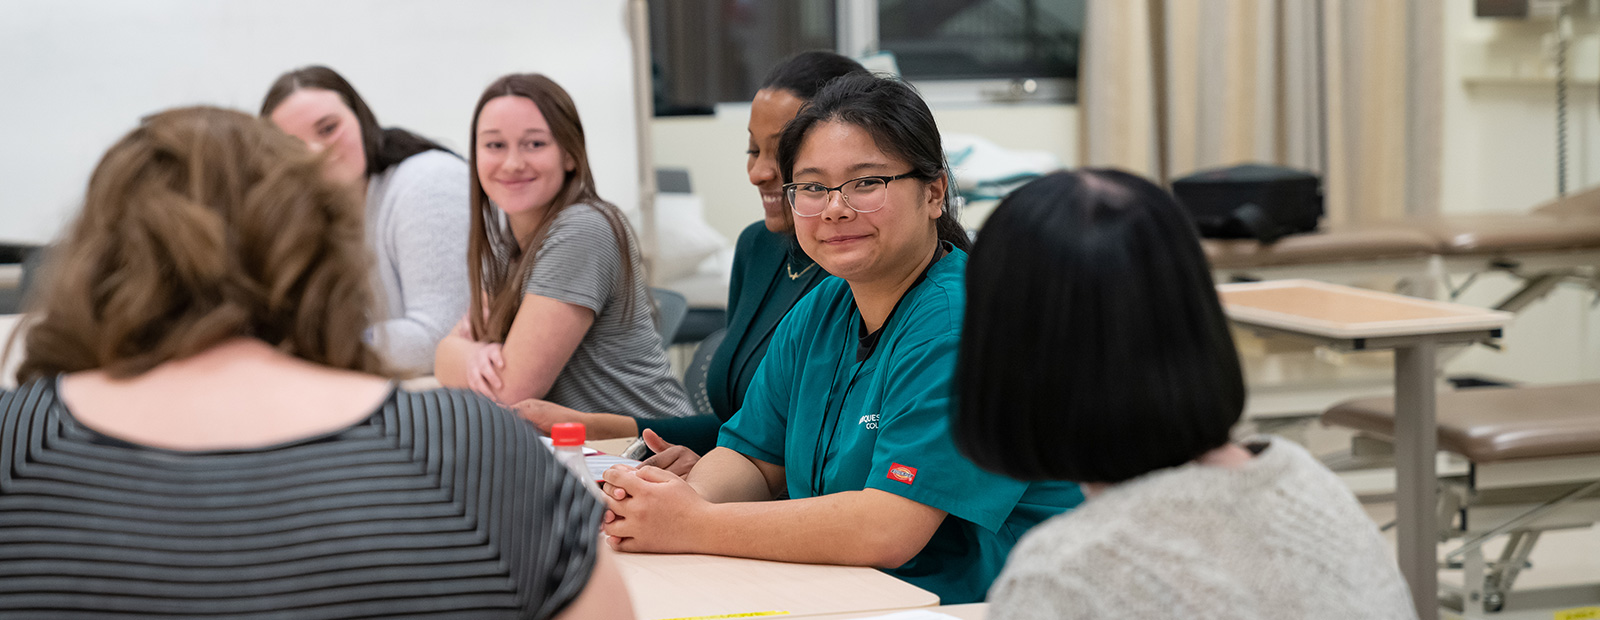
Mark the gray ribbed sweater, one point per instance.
(418, 220)
(1280, 538)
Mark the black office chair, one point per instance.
(699, 323)
(671, 306)
(694, 378)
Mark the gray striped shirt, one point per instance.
(439, 505)
(619, 367)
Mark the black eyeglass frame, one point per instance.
(789, 189)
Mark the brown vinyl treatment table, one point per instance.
(1535, 467)
(1553, 242)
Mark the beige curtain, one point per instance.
(1349, 89)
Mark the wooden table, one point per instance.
(611, 446)
(420, 384)
(1357, 319)
(691, 586)
(970, 611)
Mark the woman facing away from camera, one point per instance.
(201, 431)
(770, 275)
(416, 208)
(559, 309)
(849, 412)
(1095, 350)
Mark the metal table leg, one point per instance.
(1416, 484)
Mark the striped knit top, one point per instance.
(438, 505)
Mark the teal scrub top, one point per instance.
(884, 423)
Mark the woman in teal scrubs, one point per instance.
(849, 411)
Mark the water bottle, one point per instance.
(566, 441)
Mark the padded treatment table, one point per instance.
(1490, 234)
(1558, 242)
(1541, 249)
(1475, 236)
(1586, 202)
(1491, 425)
(1318, 248)
(1569, 223)
(1535, 454)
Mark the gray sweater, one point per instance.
(1281, 537)
(418, 220)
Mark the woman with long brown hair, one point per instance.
(415, 193)
(201, 431)
(770, 275)
(559, 308)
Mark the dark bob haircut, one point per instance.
(900, 125)
(805, 73)
(1094, 347)
(383, 147)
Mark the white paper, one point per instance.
(599, 463)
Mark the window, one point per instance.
(706, 52)
(982, 39)
(711, 51)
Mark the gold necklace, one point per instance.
(792, 274)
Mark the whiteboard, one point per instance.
(75, 75)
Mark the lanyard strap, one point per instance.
(866, 345)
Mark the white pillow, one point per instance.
(684, 239)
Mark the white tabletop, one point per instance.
(692, 586)
(970, 611)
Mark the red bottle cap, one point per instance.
(567, 434)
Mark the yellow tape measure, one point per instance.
(1579, 613)
(748, 614)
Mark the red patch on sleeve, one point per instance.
(902, 473)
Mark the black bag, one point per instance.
(1251, 201)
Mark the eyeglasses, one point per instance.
(861, 194)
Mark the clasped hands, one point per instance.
(649, 509)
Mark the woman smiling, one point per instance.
(559, 309)
(849, 410)
(415, 203)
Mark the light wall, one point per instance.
(713, 147)
(1500, 112)
(77, 74)
(1499, 156)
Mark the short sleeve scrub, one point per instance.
(843, 413)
